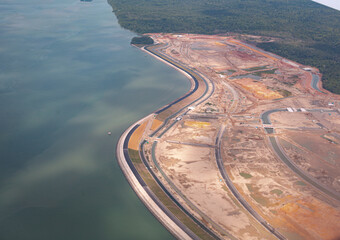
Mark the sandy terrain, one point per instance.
(247, 82)
(136, 136)
(260, 90)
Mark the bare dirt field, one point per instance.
(245, 82)
(193, 170)
(273, 189)
(260, 90)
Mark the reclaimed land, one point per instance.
(134, 164)
(201, 158)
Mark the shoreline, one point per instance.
(146, 199)
(176, 228)
(152, 129)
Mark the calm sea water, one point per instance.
(67, 76)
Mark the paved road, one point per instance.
(203, 97)
(168, 128)
(176, 227)
(188, 202)
(198, 222)
(266, 120)
(265, 115)
(286, 160)
(181, 68)
(167, 192)
(146, 195)
(315, 81)
(235, 192)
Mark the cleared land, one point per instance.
(233, 85)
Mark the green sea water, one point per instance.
(67, 76)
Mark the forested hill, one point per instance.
(307, 32)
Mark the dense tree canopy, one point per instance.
(143, 40)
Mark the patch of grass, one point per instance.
(250, 187)
(255, 68)
(276, 191)
(246, 175)
(260, 199)
(134, 156)
(300, 183)
(256, 195)
(210, 110)
(284, 92)
(273, 212)
(254, 76)
(260, 73)
(289, 83)
(271, 71)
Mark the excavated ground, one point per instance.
(248, 82)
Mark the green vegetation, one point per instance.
(260, 199)
(276, 191)
(249, 75)
(256, 195)
(300, 183)
(143, 40)
(305, 31)
(326, 59)
(284, 92)
(260, 73)
(156, 189)
(250, 187)
(246, 175)
(134, 156)
(255, 68)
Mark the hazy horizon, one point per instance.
(329, 3)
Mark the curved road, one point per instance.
(196, 85)
(286, 160)
(217, 154)
(188, 202)
(176, 227)
(235, 192)
(315, 81)
(198, 222)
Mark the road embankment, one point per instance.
(170, 220)
(143, 192)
